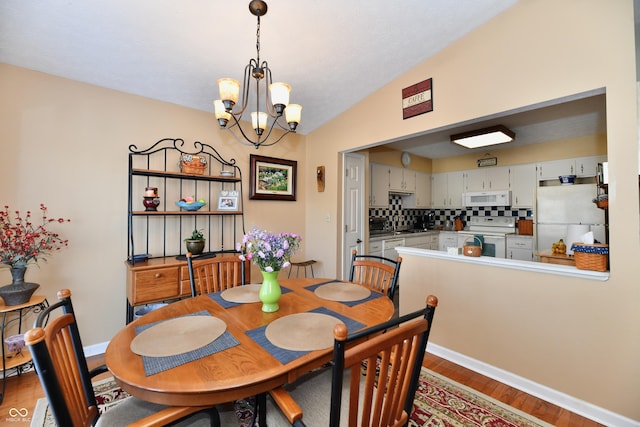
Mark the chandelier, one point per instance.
(276, 98)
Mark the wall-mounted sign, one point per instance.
(417, 99)
(487, 161)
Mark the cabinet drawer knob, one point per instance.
(158, 275)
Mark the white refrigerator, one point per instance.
(562, 209)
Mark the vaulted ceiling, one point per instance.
(334, 53)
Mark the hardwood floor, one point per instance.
(25, 390)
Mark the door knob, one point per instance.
(358, 240)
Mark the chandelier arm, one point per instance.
(249, 140)
(268, 81)
(261, 142)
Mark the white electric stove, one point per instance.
(493, 229)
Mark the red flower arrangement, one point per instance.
(23, 242)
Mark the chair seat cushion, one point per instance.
(312, 393)
(132, 409)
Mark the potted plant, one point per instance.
(23, 242)
(195, 242)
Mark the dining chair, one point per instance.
(61, 365)
(376, 272)
(216, 274)
(374, 376)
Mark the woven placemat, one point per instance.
(242, 294)
(179, 335)
(343, 292)
(302, 331)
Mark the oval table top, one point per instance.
(246, 369)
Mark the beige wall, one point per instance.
(576, 336)
(65, 144)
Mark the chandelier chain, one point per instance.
(258, 41)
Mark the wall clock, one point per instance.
(406, 159)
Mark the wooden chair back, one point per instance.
(61, 364)
(384, 364)
(217, 274)
(59, 359)
(377, 273)
(392, 362)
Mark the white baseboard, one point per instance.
(585, 409)
(96, 349)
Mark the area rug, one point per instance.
(108, 394)
(439, 402)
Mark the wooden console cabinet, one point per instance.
(160, 279)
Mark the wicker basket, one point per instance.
(194, 165)
(471, 250)
(593, 256)
(602, 204)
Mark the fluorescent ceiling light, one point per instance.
(484, 137)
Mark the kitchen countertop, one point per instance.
(540, 267)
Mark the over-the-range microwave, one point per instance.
(487, 198)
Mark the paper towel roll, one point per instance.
(574, 234)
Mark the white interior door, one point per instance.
(353, 208)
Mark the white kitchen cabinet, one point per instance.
(439, 193)
(375, 248)
(434, 241)
(520, 247)
(497, 178)
(455, 188)
(422, 196)
(420, 241)
(582, 167)
(486, 179)
(522, 183)
(401, 179)
(379, 185)
(447, 189)
(554, 168)
(447, 239)
(588, 166)
(474, 180)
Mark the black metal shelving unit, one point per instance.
(160, 232)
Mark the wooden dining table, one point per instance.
(245, 369)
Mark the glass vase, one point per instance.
(270, 291)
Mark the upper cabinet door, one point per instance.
(588, 166)
(439, 193)
(486, 179)
(422, 196)
(401, 179)
(497, 178)
(474, 180)
(522, 182)
(555, 168)
(395, 179)
(455, 188)
(379, 197)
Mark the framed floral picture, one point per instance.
(272, 178)
(228, 201)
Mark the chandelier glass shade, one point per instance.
(276, 107)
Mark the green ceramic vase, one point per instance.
(270, 291)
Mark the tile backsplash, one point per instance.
(409, 217)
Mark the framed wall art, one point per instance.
(272, 178)
(228, 201)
